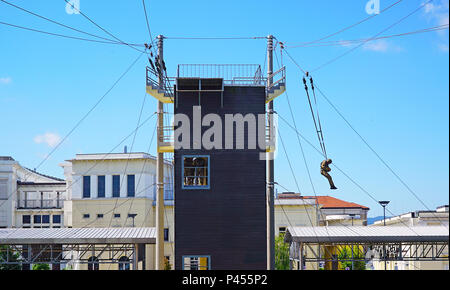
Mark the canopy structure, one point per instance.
(362, 234)
(77, 236)
(61, 247)
(328, 247)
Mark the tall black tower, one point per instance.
(220, 190)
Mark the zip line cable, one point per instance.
(104, 30)
(355, 41)
(295, 179)
(216, 38)
(143, 168)
(129, 154)
(345, 174)
(148, 27)
(304, 157)
(65, 36)
(353, 25)
(374, 152)
(98, 161)
(318, 116)
(58, 23)
(363, 139)
(376, 35)
(81, 120)
(318, 130)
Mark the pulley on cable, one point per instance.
(325, 164)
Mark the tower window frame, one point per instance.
(197, 179)
(194, 262)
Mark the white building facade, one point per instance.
(29, 199)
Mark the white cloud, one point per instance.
(51, 139)
(381, 46)
(438, 12)
(443, 47)
(5, 81)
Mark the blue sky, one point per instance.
(393, 91)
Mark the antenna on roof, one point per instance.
(125, 150)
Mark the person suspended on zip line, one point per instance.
(324, 169)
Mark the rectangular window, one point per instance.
(3, 189)
(26, 219)
(100, 186)
(117, 215)
(196, 263)
(166, 234)
(100, 216)
(46, 219)
(37, 219)
(86, 186)
(56, 219)
(116, 185)
(86, 216)
(195, 172)
(130, 186)
(282, 230)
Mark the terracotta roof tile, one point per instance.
(332, 202)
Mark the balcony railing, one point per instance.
(41, 204)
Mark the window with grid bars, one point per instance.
(196, 263)
(196, 172)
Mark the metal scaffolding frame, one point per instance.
(69, 254)
(410, 251)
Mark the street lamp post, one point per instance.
(352, 215)
(384, 203)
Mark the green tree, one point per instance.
(7, 254)
(167, 265)
(41, 267)
(281, 253)
(346, 255)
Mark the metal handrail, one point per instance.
(40, 203)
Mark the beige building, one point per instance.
(292, 209)
(118, 190)
(438, 217)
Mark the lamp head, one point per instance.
(384, 203)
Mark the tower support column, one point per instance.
(159, 263)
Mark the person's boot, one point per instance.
(333, 187)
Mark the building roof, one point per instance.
(289, 195)
(115, 156)
(43, 175)
(437, 215)
(332, 202)
(78, 236)
(6, 158)
(363, 234)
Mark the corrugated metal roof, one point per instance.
(78, 236)
(367, 234)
